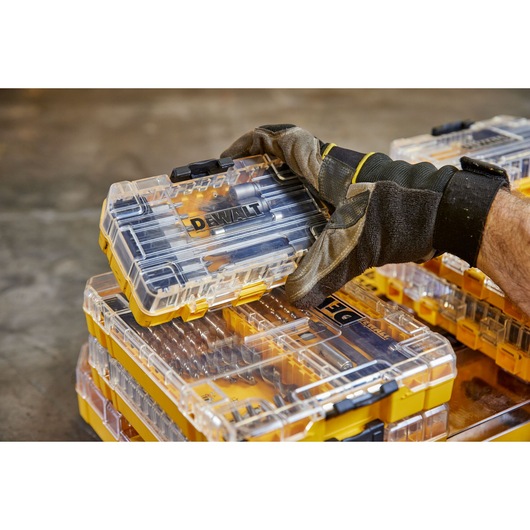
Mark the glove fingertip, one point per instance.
(277, 127)
(313, 298)
(308, 301)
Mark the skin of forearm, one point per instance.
(505, 249)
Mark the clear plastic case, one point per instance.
(146, 417)
(475, 322)
(152, 424)
(475, 282)
(268, 371)
(181, 248)
(109, 424)
(501, 140)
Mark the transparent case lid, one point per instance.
(181, 248)
(266, 370)
(501, 140)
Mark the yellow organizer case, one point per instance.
(268, 371)
(180, 246)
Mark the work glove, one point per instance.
(382, 211)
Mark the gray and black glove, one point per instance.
(384, 211)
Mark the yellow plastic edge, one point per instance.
(251, 293)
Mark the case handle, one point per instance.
(451, 127)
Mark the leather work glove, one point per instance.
(383, 211)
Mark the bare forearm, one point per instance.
(505, 250)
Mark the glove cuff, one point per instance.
(337, 171)
(346, 156)
(464, 207)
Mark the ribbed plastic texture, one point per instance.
(100, 408)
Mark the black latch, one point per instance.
(201, 169)
(361, 401)
(451, 127)
(374, 431)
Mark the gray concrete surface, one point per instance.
(60, 150)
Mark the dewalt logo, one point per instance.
(227, 217)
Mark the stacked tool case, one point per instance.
(476, 322)
(268, 371)
(191, 336)
(109, 396)
(96, 409)
(149, 423)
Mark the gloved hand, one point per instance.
(384, 211)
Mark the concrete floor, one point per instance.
(60, 150)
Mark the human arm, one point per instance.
(505, 250)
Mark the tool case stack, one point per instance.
(191, 337)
